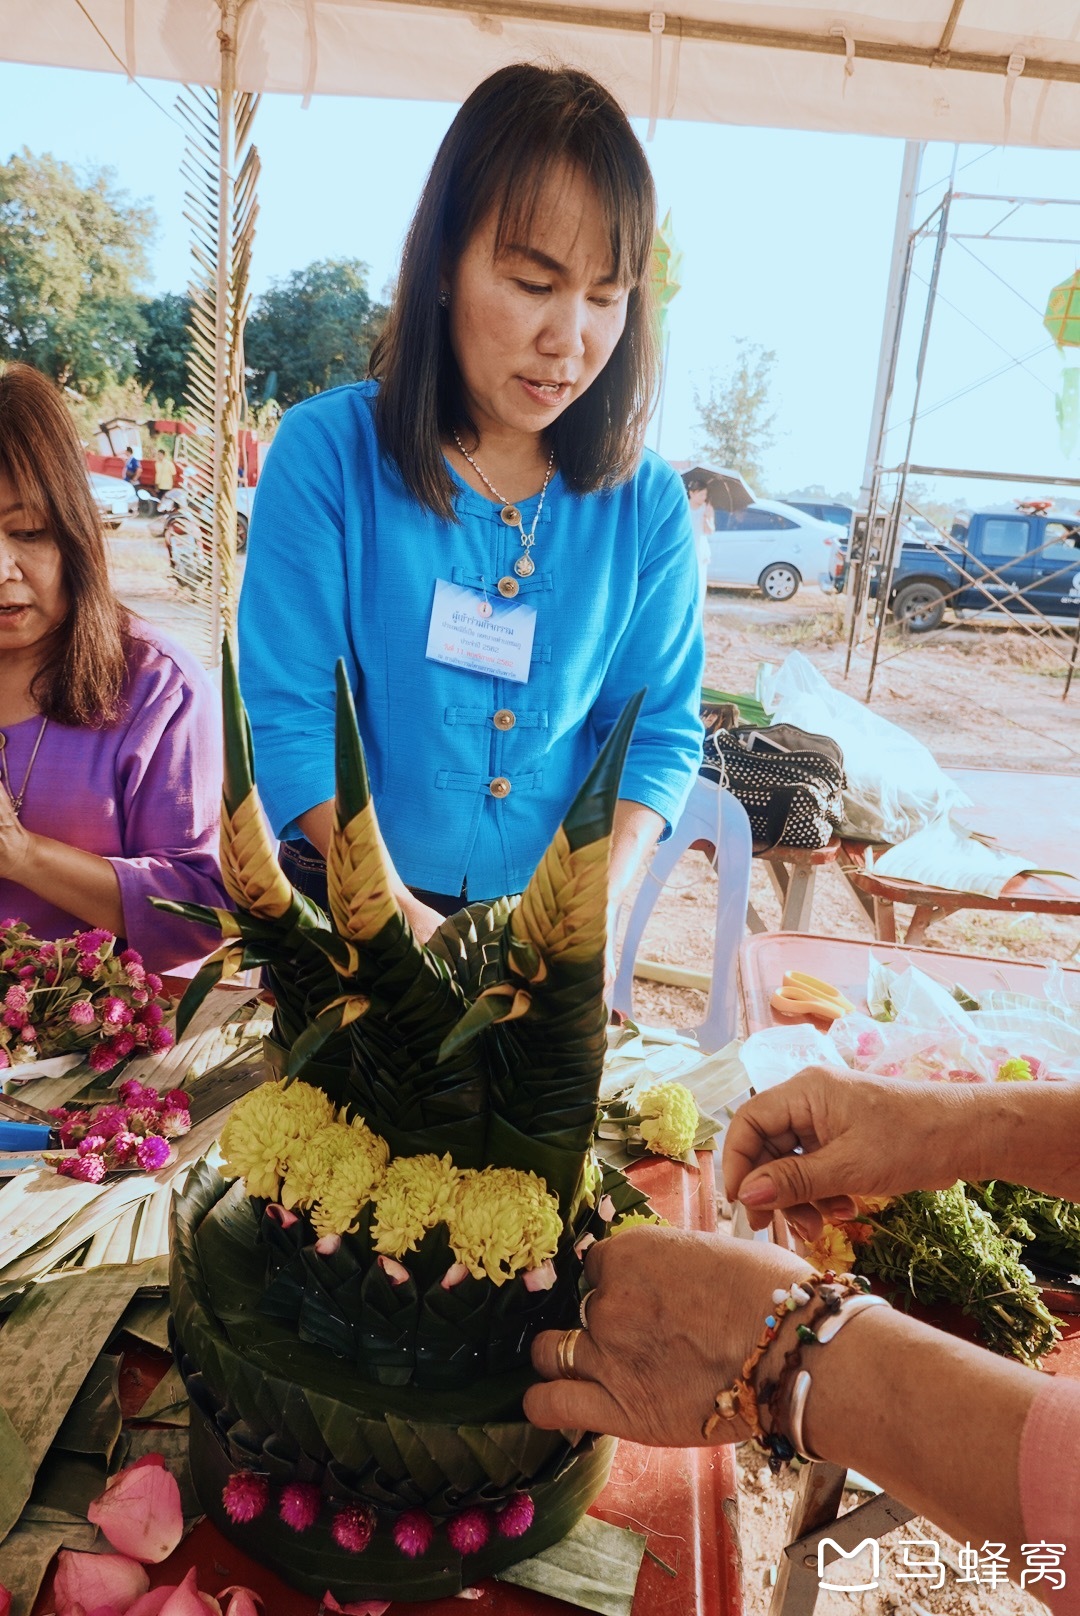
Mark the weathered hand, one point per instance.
(672, 1320)
(857, 1136)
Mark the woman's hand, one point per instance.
(856, 1135)
(15, 839)
(671, 1322)
(421, 917)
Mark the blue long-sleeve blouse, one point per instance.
(343, 562)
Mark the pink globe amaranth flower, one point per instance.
(516, 1516)
(161, 1038)
(174, 1097)
(27, 973)
(47, 951)
(115, 1012)
(74, 1127)
(144, 1120)
(300, 1505)
(245, 1496)
(352, 1529)
(154, 982)
(87, 964)
(59, 1113)
(102, 1058)
(123, 1043)
(124, 1145)
(151, 1015)
(174, 1122)
(28, 1034)
(132, 1092)
(15, 1019)
(97, 938)
(81, 1013)
(91, 1144)
(136, 975)
(413, 1532)
(16, 998)
(109, 1120)
(139, 995)
(89, 1169)
(51, 973)
(140, 1034)
(469, 1531)
(152, 1152)
(5, 1059)
(130, 956)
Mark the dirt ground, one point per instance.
(987, 697)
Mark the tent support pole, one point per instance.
(223, 553)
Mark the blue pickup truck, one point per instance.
(995, 561)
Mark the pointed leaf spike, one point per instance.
(592, 812)
(358, 870)
(239, 781)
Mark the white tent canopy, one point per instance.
(994, 71)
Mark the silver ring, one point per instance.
(583, 1307)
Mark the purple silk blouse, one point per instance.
(143, 793)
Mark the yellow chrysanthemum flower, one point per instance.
(668, 1119)
(503, 1221)
(352, 1184)
(265, 1129)
(832, 1250)
(310, 1169)
(636, 1220)
(416, 1193)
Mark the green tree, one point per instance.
(735, 422)
(162, 352)
(312, 330)
(72, 253)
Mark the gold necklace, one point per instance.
(524, 566)
(5, 774)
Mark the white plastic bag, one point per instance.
(895, 786)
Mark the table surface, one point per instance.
(683, 1500)
(763, 961)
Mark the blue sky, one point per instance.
(786, 239)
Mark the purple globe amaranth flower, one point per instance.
(51, 973)
(353, 1528)
(102, 1058)
(88, 941)
(109, 1120)
(151, 1015)
(136, 975)
(300, 1505)
(27, 973)
(89, 1169)
(161, 1038)
(130, 956)
(15, 1019)
(47, 951)
(81, 1013)
(179, 1097)
(116, 1012)
(87, 964)
(413, 1532)
(91, 1145)
(152, 1152)
(516, 1516)
(123, 1043)
(132, 1092)
(124, 1145)
(245, 1496)
(154, 982)
(468, 1532)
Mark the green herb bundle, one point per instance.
(1050, 1226)
(942, 1246)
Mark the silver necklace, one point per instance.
(524, 566)
(5, 775)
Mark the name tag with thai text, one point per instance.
(483, 633)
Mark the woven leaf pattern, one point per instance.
(253, 877)
(358, 878)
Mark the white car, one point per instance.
(113, 497)
(770, 546)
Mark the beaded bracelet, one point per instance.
(741, 1398)
(800, 1390)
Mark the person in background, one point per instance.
(987, 1449)
(701, 516)
(110, 741)
(132, 465)
(486, 541)
(164, 473)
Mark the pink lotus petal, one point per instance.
(95, 1580)
(470, 1593)
(140, 1512)
(454, 1275)
(281, 1215)
(606, 1210)
(542, 1278)
(329, 1245)
(150, 1604)
(359, 1607)
(188, 1601)
(242, 1601)
(582, 1245)
(395, 1272)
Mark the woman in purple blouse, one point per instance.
(110, 746)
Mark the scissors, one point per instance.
(803, 995)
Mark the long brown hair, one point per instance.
(82, 678)
(509, 136)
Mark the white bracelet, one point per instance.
(800, 1391)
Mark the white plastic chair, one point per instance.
(715, 822)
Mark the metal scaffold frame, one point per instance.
(876, 534)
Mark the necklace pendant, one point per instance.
(524, 566)
(511, 515)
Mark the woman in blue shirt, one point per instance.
(478, 531)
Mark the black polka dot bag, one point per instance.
(790, 782)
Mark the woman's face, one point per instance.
(33, 597)
(533, 328)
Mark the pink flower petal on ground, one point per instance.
(281, 1215)
(395, 1272)
(94, 1580)
(542, 1278)
(140, 1512)
(188, 1601)
(359, 1607)
(454, 1275)
(242, 1601)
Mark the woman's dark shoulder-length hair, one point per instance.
(82, 679)
(510, 134)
